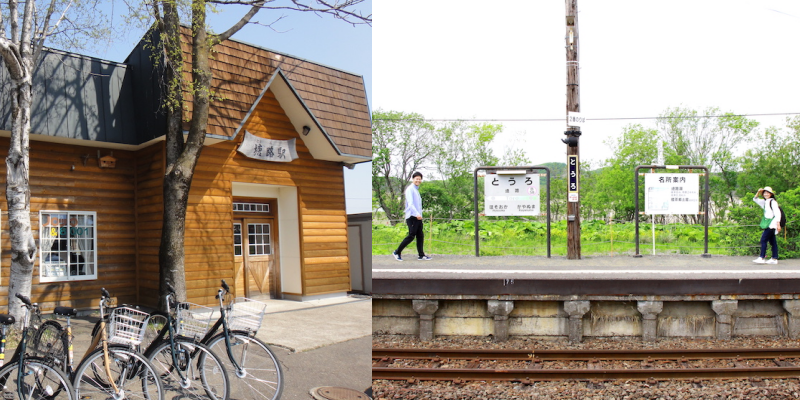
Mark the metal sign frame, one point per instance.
(669, 167)
(528, 169)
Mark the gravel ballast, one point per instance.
(755, 389)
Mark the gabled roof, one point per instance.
(79, 98)
(316, 139)
(336, 99)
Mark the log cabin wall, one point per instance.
(322, 266)
(108, 192)
(320, 187)
(150, 166)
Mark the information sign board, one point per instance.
(511, 194)
(672, 193)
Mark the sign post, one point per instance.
(511, 191)
(671, 193)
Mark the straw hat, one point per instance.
(769, 189)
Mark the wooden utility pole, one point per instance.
(573, 134)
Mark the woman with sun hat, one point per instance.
(771, 218)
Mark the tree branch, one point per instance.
(241, 23)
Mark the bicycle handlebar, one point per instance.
(24, 299)
(221, 292)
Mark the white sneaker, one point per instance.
(759, 260)
(771, 261)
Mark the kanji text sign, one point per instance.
(572, 178)
(268, 149)
(672, 193)
(511, 194)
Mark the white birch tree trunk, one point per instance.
(18, 194)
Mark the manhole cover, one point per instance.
(337, 393)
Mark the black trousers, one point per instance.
(415, 231)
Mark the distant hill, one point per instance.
(557, 170)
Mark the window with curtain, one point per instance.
(67, 246)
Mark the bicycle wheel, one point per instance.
(51, 343)
(133, 375)
(39, 381)
(203, 372)
(156, 322)
(261, 376)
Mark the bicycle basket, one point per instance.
(127, 326)
(194, 319)
(246, 314)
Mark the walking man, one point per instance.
(413, 216)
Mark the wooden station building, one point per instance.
(267, 204)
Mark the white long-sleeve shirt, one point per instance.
(413, 202)
(770, 211)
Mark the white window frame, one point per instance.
(267, 247)
(239, 246)
(43, 255)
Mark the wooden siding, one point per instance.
(323, 220)
(150, 166)
(241, 71)
(108, 192)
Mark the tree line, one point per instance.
(740, 155)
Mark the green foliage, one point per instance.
(774, 161)
(747, 235)
(613, 186)
(688, 137)
(401, 144)
(460, 148)
(525, 237)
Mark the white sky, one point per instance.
(320, 39)
(448, 59)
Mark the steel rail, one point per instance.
(525, 375)
(535, 372)
(585, 355)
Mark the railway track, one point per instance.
(541, 365)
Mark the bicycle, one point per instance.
(49, 340)
(111, 368)
(26, 376)
(248, 358)
(187, 367)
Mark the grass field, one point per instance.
(507, 237)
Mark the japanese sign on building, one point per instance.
(572, 179)
(267, 149)
(511, 194)
(672, 193)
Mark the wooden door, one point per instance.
(260, 258)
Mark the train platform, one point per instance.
(616, 296)
(593, 275)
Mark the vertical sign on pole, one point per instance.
(572, 175)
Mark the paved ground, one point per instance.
(319, 343)
(673, 267)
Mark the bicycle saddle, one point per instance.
(65, 311)
(6, 319)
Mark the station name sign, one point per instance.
(511, 193)
(267, 149)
